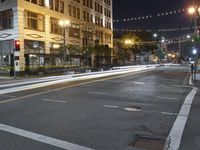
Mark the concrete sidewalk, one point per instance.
(5, 78)
(198, 76)
(191, 135)
(197, 82)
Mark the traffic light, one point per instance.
(17, 45)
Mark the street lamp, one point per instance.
(188, 36)
(64, 24)
(194, 51)
(169, 55)
(191, 10)
(128, 42)
(195, 12)
(173, 56)
(155, 35)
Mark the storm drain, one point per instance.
(148, 143)
(133, 108)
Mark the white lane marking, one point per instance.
(110, 106)
(181, 86)
(7, 96)
(55, 101)
(175, 135)
(42, 138)
(139, 83)
(171, 114)
(169, 98)
(100, 93)
(161, 85)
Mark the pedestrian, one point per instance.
(192, 70)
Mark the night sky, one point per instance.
(137, 8)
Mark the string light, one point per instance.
(161, 14)
(158, 30)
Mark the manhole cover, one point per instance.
(149, 143)
(133, 108)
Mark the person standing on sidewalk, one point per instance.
(192, 71)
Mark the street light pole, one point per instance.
(195, 11)
(196, 43)
(64, 42)
(64, 24)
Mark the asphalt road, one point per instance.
(104, 114)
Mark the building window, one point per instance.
(6, 48)
(74, 12)
(70, 10)
(107, 12)
(51, 4)
(33, 21)
(56, 5)
(62, 7)
(41, 2)
(34, 53)
(6, 20)
(33, 47)
(78, 13)
(98, 8)
(78, 1)
(108, 38)
(38, 2)
(107, 2)
(54, 48)
(99, 36)
(87, 17)
(88, 3)
(107, 24)
(87, 36)
(54, 26)
(74, 31)
(98, 21)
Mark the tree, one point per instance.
(86, 52)
(102, 52)
(196, 38)
(160, 53)
(187, 47)
(136, 44)
(69, 52)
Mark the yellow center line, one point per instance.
(70, 86)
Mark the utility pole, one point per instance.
(195, 12)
